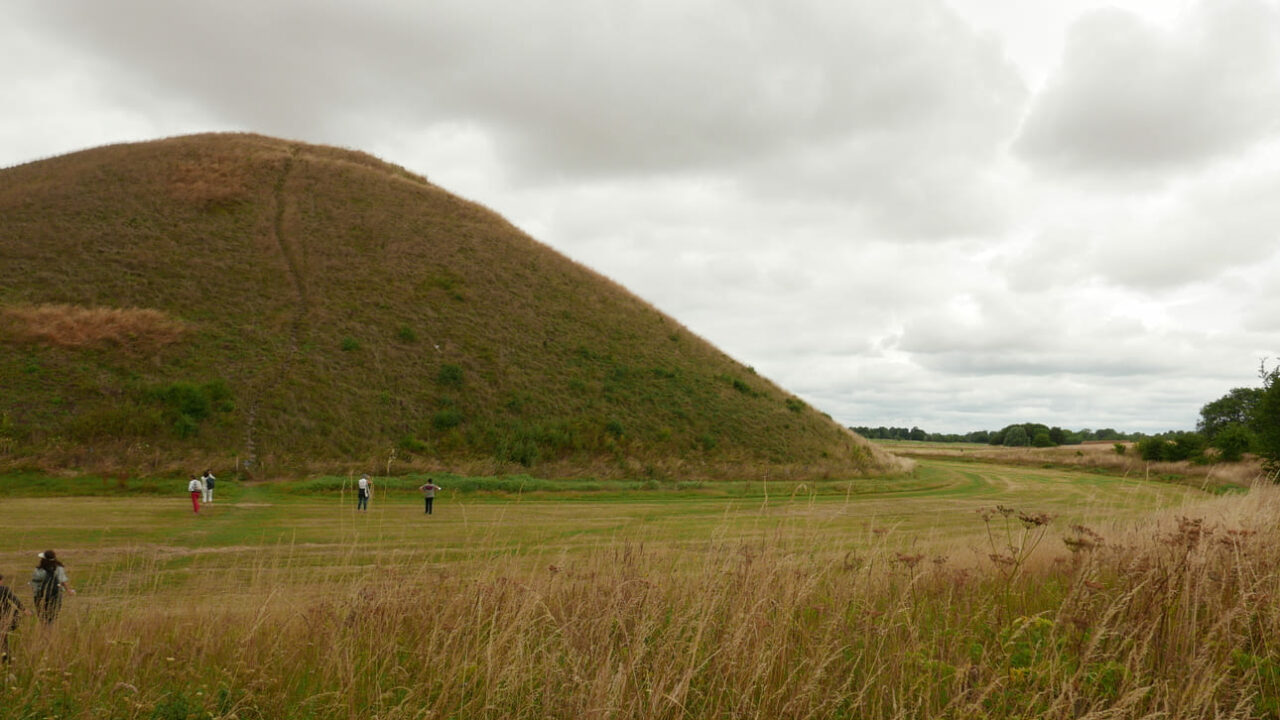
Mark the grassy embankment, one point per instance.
(207, 300)
(1139, 599)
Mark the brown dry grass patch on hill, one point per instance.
(210, 181)
(71, 326)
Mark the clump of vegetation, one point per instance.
(187, 405)
(449, 376)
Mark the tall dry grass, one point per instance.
(1175, 619)
(71, 326)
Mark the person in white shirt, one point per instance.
(429, 489)
(196, 488)
(208, 480)
(364, 490)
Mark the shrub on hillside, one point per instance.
(450, 375)
(187, 404)
(446, 418)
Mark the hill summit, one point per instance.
(290, 308)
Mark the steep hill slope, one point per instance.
(221, 299)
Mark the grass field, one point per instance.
(881, 598)
(317, 519)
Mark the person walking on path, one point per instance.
(364, 491)
(429, 489)
(207, 478)
(47, 583)
(10, 608)
(196, 488)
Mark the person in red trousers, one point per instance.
(196, 488)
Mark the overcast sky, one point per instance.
(956, 214)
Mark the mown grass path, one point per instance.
(933, 512)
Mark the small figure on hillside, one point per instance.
(208, 479)
(196, 488)
(429, 489)
(10, 608)
(47, 583)
(364, 491)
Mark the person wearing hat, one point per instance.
(10, 608)
(364, 490)
(47, 583)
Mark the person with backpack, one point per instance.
(429, 489)
(196, 488)
(10, 608)
(208, 480)
(47, 583)
(364, 490)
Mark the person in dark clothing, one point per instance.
(429, 494)
(10, 608)
(47, 583)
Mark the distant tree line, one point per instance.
(1016, 435)
(1245, 420)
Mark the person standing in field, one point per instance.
(364, 490)
(47, 583)
(10, 608)
(196, 488)
(429, 494)
(207, 478)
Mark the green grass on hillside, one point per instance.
(310, 309)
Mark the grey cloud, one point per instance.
(1131, 98)
(893, 107)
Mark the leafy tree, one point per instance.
(1043, 439)
(1016, 436)
(1233, 442)
(1266, 418)
(1188, 446)
(1152, 449)
(1234, 408)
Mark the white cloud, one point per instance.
(1131, 97)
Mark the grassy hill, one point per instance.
(241, 300)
